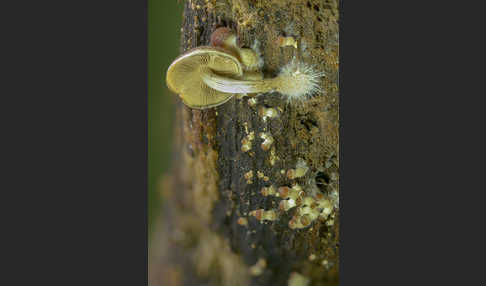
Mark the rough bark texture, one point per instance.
(207, 234)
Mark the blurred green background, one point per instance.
(164, 24)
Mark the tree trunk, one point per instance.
(210, 231)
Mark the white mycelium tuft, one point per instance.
(298, 81)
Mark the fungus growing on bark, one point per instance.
(296, 81)
(246, 142)
(186, 76)
(286, 41)
(265, 113)
(206, 77)
(225, 38)
(262, 214)
(267, 140)
(299, 171)
(268, 191)
(249, 176)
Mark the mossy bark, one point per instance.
(206, 234)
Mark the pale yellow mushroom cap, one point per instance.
(184, 76)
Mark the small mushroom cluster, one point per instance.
(308, 208)
(246, 142)
(267, 140)
(309, 204)
(299, 171)
(209, 76)
(265, 113)
(262, 214)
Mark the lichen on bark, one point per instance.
(209, 233)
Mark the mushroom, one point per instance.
(296, 81)
(225, 38)
(186, 74)
(206, 77)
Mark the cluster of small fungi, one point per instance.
(309, 206)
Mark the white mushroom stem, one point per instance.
(296, 81)
(230, 85)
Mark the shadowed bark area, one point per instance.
(227, 173)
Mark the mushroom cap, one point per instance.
(223, 36)
(184, 76)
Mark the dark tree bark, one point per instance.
(209, 232)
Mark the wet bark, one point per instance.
(209, 232)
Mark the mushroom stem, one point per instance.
(230, 85)
(296, 80)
